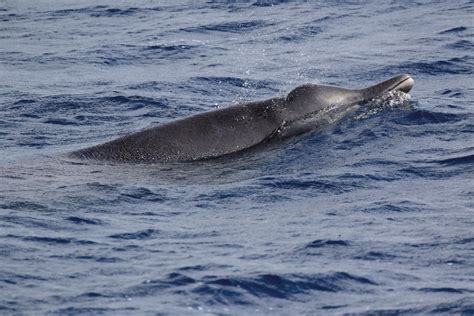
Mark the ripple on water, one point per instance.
(323, 243)
(455, 306)
(458, 29)
(83, 221)
(460, 160)
(228, 27)
(452, 66)
(421, 117)
(243, 290)
(139, 235)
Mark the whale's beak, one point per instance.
(402, 83)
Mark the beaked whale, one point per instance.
(235, 128)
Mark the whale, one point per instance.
(239, 127)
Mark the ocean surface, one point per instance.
(374, 215)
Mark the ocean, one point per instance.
(371, 216)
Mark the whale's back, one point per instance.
(206, 135)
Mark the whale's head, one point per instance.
(312, 102)
(403, 83)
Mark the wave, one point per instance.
(59, 121)
(13, 278)
(141, 194)
(452, 93)
(421, 117)
(454, 30)
(283, 286)
(397, 207)
(12, 17)
(461, 160)
(466, 241)
(140, 235)
(234, 81)
(324, 243)
(323, 186)
(92, 310)
(53, 240)
(375, 256)
(241, 290)
(463, 306)
(24, 206)
(173, 49)
(110, 55)
(461, 45)
(228, 27)
(100, 11)
(65, 109)
(444, 290)
(452, 66)
(269, 3)
(83, 221)
(301, 34)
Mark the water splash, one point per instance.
(388, 101)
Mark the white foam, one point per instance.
(390, 100)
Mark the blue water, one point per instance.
(372, 215)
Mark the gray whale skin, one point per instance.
(235, 128)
